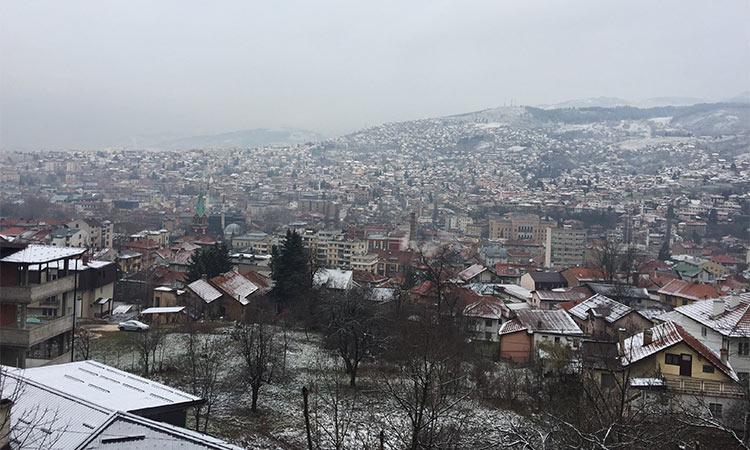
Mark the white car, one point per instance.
(132, 325)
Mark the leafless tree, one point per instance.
(429, 384)
(147, 345)
(352, 329)
(202, 365)
(258, 347)
(83, 338)
(607, 258)
(26, 425)
(438, 267)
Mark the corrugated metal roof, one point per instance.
(163, 310)
(108, 387)
(471, 271)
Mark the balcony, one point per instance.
(36, 292)
(33, 334)
(698, 387)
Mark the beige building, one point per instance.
(519, 227)
(564, 247)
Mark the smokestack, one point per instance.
(724, 353)
(5, 408)
(648, 336)
(718, 307)
(621, 341)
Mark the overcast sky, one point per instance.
(82, 74)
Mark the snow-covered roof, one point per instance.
(603, 306)
(163, 310)
(333, 278)
(235, 285)
(204, 290)
(543, 321)
(734, 321)
(516, 291)
(163, 289)
(664, 336)
(647, 382)
(122, 309)
(471, 272)
(37, 254)
(484, 309)
(108, 387)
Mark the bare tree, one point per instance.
(258, 347)
(353, 330)
(83, 338)
(607, 258)
(429, 384)
(202, 365)
(26, 425)
(438, 267)
(147, 345)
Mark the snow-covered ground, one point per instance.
(279, 424)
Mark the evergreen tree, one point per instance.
(291, 272)
(209, 261)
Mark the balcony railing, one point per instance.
(695, 386)
(36, 292)
(33, 334)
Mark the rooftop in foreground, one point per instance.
(38, 254)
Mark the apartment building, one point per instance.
(37, 290)
(564, 247)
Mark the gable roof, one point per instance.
(204, 290)
(235, 285)
(560, 296)
(733, 322)
(603, 306)
(471, 272)
(665, 336)
(547, 277)
(688, 290)
(485, 308)
(547, 321)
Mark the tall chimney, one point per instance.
(621, 340)
(717, 308)
(5, 407)
(648, 336)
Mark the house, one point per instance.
(632, 296)
(129, 262)
(689, 370)
(236, 291)
(476, 273)
(336, 279)
(681, 292)
(521, 337)
(485, 317)
(720, 324)
(544, 299)
(602, 318)
(537, 281)
(167, 307)
(694, 273)
(87, 405)
(202, 298)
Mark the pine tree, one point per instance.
(290, 269)
(209, 261)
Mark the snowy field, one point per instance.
(279, 424)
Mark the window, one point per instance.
(557, 340)
(708, 368)
(715, 409)
(487, 336)
(743, 347)
(744, 378)
(488, 322)
(704, 331)
(671, 358)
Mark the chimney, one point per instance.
(5, 407)
(717, 308)
(724, 353)
(621, 341)
(648, 336)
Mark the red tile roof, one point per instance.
(688, 290)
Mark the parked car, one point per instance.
(132, 325)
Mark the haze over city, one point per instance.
(82, 74)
